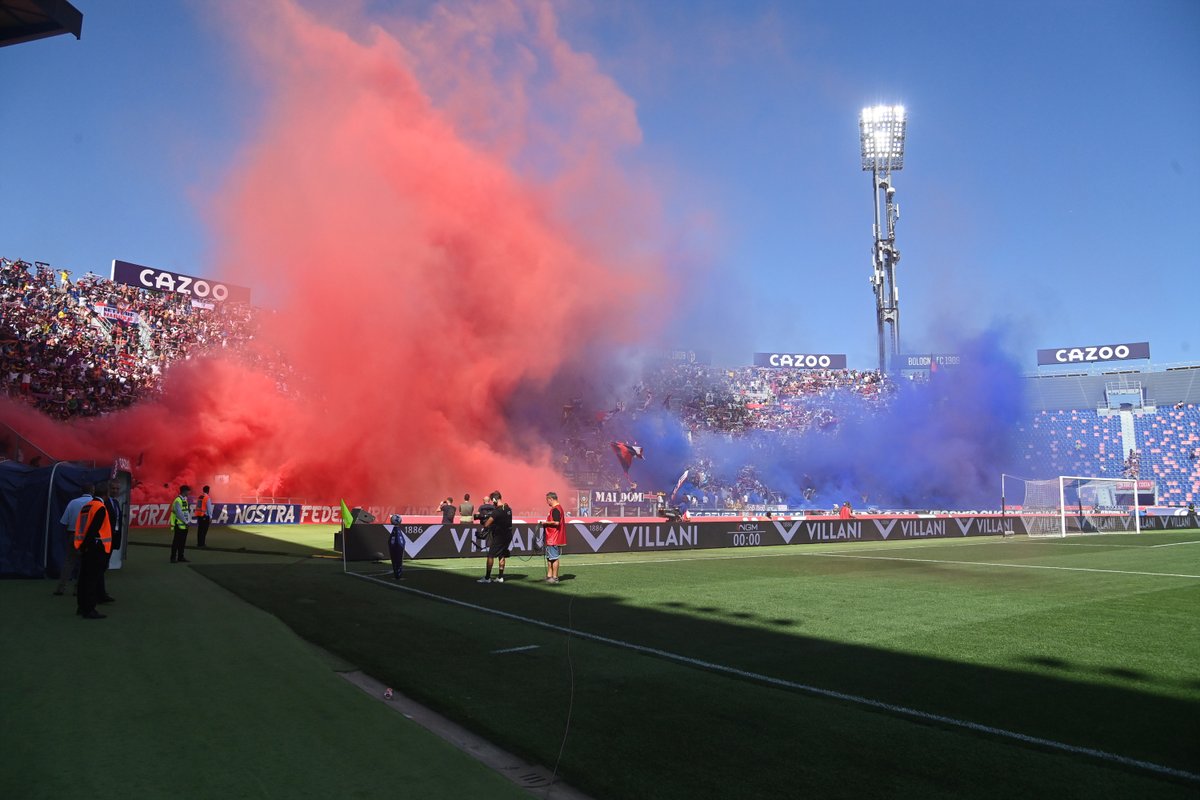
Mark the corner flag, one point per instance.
(347, 517)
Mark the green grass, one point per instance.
(1104, 659)
(185, 691)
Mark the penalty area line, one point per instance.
(905, 711)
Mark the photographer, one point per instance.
(499, 528)
(481, 517)
(448, 510)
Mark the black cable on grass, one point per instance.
(570, 699)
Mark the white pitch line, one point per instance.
(1009, 566)
(517, 649)
(1102, 755)
(1173, 544)
(1091, 544)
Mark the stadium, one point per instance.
(965, 572)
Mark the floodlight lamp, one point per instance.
(881, 130)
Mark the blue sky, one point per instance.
(1049, 189)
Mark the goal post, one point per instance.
(1073, 504)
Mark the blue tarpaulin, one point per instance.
(32, 501)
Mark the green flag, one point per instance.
(347, 517)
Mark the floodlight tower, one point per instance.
(882, 132)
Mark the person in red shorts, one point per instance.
(556, 535)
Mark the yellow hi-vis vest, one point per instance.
(181, 512)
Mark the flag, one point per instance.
(679, 484)
(626, 453)
(347, 517)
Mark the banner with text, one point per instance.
(164, 280)
(369, 542)
(1088, 354)
(120, 315)
(801, 360)
(931, 362)
(155, 515)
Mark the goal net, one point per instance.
(1070, 504)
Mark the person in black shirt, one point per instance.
(448, 508)
(116, 519)
(499, 529)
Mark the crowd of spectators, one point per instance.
(1133, 465)
(717, 405)
(88, 346)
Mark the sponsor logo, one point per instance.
(787, 532)
(885, 528)
(801, 360)
(1042, 525)
(414, 544)
(748, 526)
(834, 531)
(595, 533)
(920, 528)
(166, 281)
(1093, 353)
(653, 536)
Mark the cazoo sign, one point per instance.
(166, 281)
(801, 360)
(1088, 354)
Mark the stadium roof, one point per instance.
(27, 20)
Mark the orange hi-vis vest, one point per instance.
(86, 519)
(202, 506)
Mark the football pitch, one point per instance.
(977, 667)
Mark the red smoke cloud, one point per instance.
(437, 212)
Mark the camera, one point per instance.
(482, 516)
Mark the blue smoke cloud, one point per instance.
(940, 444)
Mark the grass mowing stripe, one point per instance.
(1102, 755)
(1009, 566)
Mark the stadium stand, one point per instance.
(88, 346)
(1171, 455)
(84, 347)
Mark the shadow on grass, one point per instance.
(643, 720)
(1124, 673)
